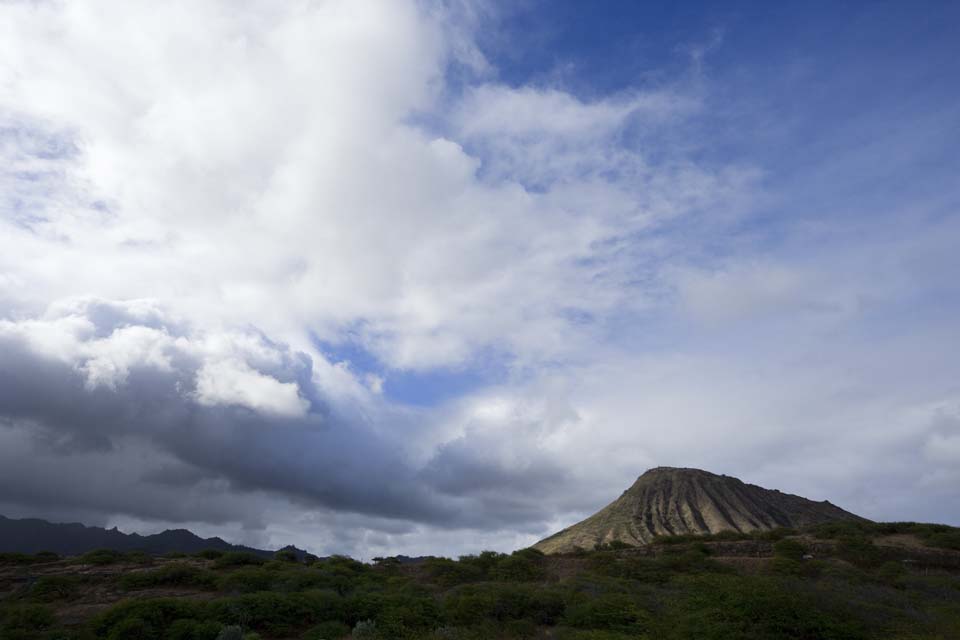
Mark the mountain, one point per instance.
(32, 535)
(670, 501)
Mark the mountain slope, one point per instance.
(32, 535)
(668, 500)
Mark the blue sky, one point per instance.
(382, 276)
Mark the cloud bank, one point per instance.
(204, 205)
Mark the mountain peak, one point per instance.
(679, 500)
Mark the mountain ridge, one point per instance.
(683, 500)
(33, 535)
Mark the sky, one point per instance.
(385, 276)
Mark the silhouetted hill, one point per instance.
(676, 501)
(32, 535)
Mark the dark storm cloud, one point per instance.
(134, 446)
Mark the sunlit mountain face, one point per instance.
(381, 277)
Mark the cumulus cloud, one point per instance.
(198, 199)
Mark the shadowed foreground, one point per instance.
(846, 580)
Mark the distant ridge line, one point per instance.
(33, 535)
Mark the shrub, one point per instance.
(174, 574)
(891, 573)
(193, 630)
(945, 540)
(130, 628)
(209, 554)
(365, 629)
(26, 621)
(238, 559)
(692, 560)
(484, 562)
(802, 568)
(723, 607)
(789, 548)
(525, 565)
(859, 551)
(100, 557)
(613, 611)
(56, 587)
(330, 630)
(277, 614)
(675, 538)
(112, 556)
(630, 567)
(402, 613)
(774, 534)
(233, 632)
(498, 602)
(449, 573)
(613, 545)
(45, 556)
(8, 557)
(523, 628)
(844, 529)
(286, 555)
(153, 617)
(249, 580)
(25, 558)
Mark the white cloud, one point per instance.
(203, 190)
(249, 174)
(232, 382)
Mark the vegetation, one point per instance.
(25, 558)
(110, 556)
(675, 591)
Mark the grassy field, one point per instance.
(845, 582)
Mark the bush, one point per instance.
(449, 573)
(613, 545)
(286, 555)
(493, 602)
(612, 611)
(233, 632)
(112, 556)
(365, 629)
(193, 630)
(238, 559)
(802, 568)
(277, 614)
(401, 614)
(691, 560)
(330, 630)
(56, 587)
(859, 551)
(891, 573)
(148, 618)
(523, 628)
(175, 574)
(525, 565)
(25, 558)
(723, 607)
(945, 540)
(100, 557)
(25, 621)
(774, 534)
(789, 548)
(249, 580)
(484, 562)
(209, 554)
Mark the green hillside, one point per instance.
(844, 581)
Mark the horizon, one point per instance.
(400, 277)
(280, 546)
